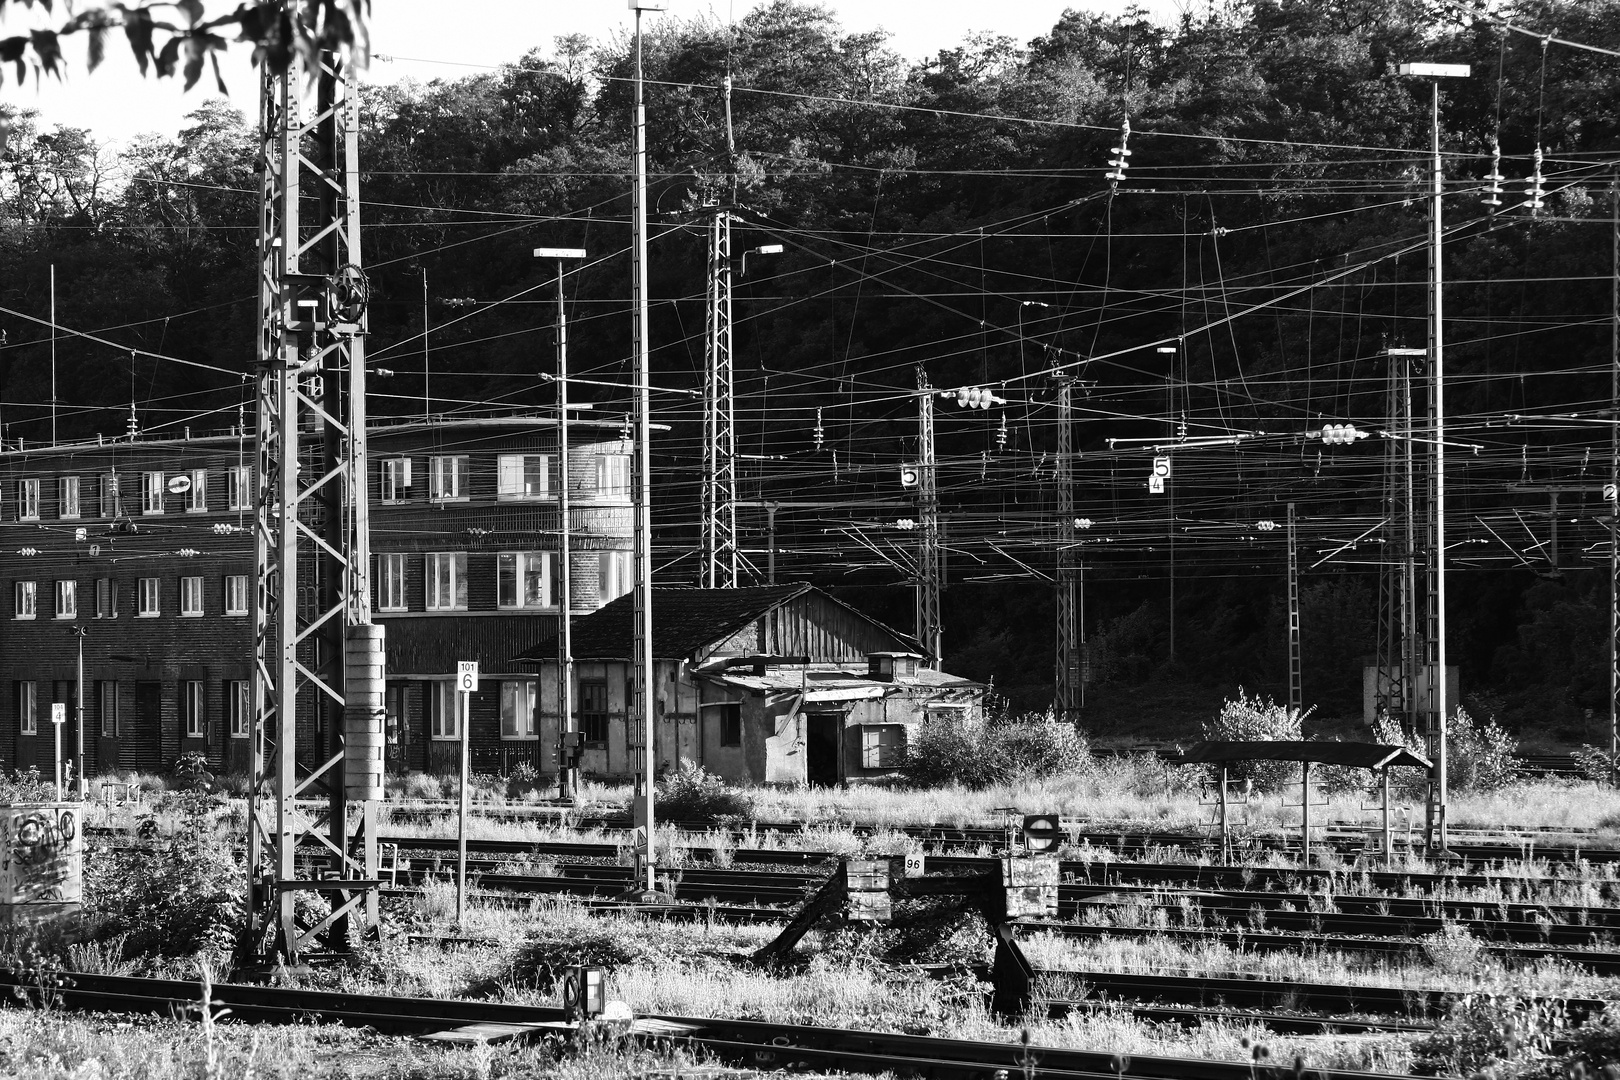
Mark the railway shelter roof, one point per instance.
(1355, 755)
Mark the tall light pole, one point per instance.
(1437, 415)
(565, 625)
(641, 485)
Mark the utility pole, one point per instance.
(1437, 431)
(1070, 692)
(567, 774)
(1614, 483)
(719, 509)
(641, 489)
(930, 564)
(315, 646)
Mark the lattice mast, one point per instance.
(1296, 688)
(930, 563)
(318, 658)
(1070, 696)
(719, 497)
(1613, 492)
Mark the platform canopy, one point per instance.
(1355, 755)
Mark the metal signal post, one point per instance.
(1070, 694)
(930, 562)
(318, 659)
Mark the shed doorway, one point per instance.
(823, 734)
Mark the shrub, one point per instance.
(1507, 1035)
(695, 795)
(977, 751)
(1479, 757)
(1258, 719)
(1596, 763)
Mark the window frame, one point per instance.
(197, 496)
(27, 707)
(193, 709)
(239, 487)
(433, 561)
(238, 584)
(876, 753)
(28, 499)
(444, 702)
(618, 565)
(608, 485)
(107, 708)
(392, 591)
(508, 466)
(190, 583)
(144, 586)
(25, 591)
(597, 719)
(730, 724)
(67, 598)
(525, 695)
(516, 569)
(394, 480)
(456, 474)
(238, 708)
(106, 598)
(67, 506)
(152, 491)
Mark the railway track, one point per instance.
(753, 1043)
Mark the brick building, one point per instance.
(146, 545)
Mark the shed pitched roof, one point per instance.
(1356, 755)
(684, 621)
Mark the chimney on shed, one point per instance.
(892, 666)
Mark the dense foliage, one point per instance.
(950, 213)
(977, 751)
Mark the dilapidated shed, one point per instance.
(769, 684)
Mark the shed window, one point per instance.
(593, 711)
(730, 724)
(883, 746)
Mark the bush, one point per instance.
(1507, 1035)
(977, 752)
(695, 795)
(1479, 757)
(1258, 719)
(1596, 764)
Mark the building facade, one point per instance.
(141, 551)
(768, 684)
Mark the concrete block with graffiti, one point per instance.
(42, 860)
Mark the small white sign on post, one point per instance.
(466, 684)
(58, 718)
(467, 676)
(58, 713)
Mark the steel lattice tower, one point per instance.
(930, 564)
(1070, 693)
(719, 496)
(318, 666)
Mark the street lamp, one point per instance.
(565, 640)
(78, 712)
(763, 249)
(1437, 406)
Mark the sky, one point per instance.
(421, 43)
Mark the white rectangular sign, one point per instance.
(466, 676)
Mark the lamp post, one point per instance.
(565, 626)
(1437, 411)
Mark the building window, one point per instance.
(517, 710)
(152, 493)
(593, 711)
(27, 599)
(239, 487)
(524, 476)
(396, 479)
(236, 594)
(28, 707)
(191, 597)
(447, 581)
(107, 704)
(67, 599)
(238, 708)
(394, 715)
(391, 582)
(28, 500)
(197, 494)
(730, 724)
(67, 496)
(447, 478)
(616, 568)
(613, 475)
(443, 710)
(883, 746)
(146, 604)
(110, 507)
(191, 708)
(106, 598)
(523, 579)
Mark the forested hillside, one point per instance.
(950, 219)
